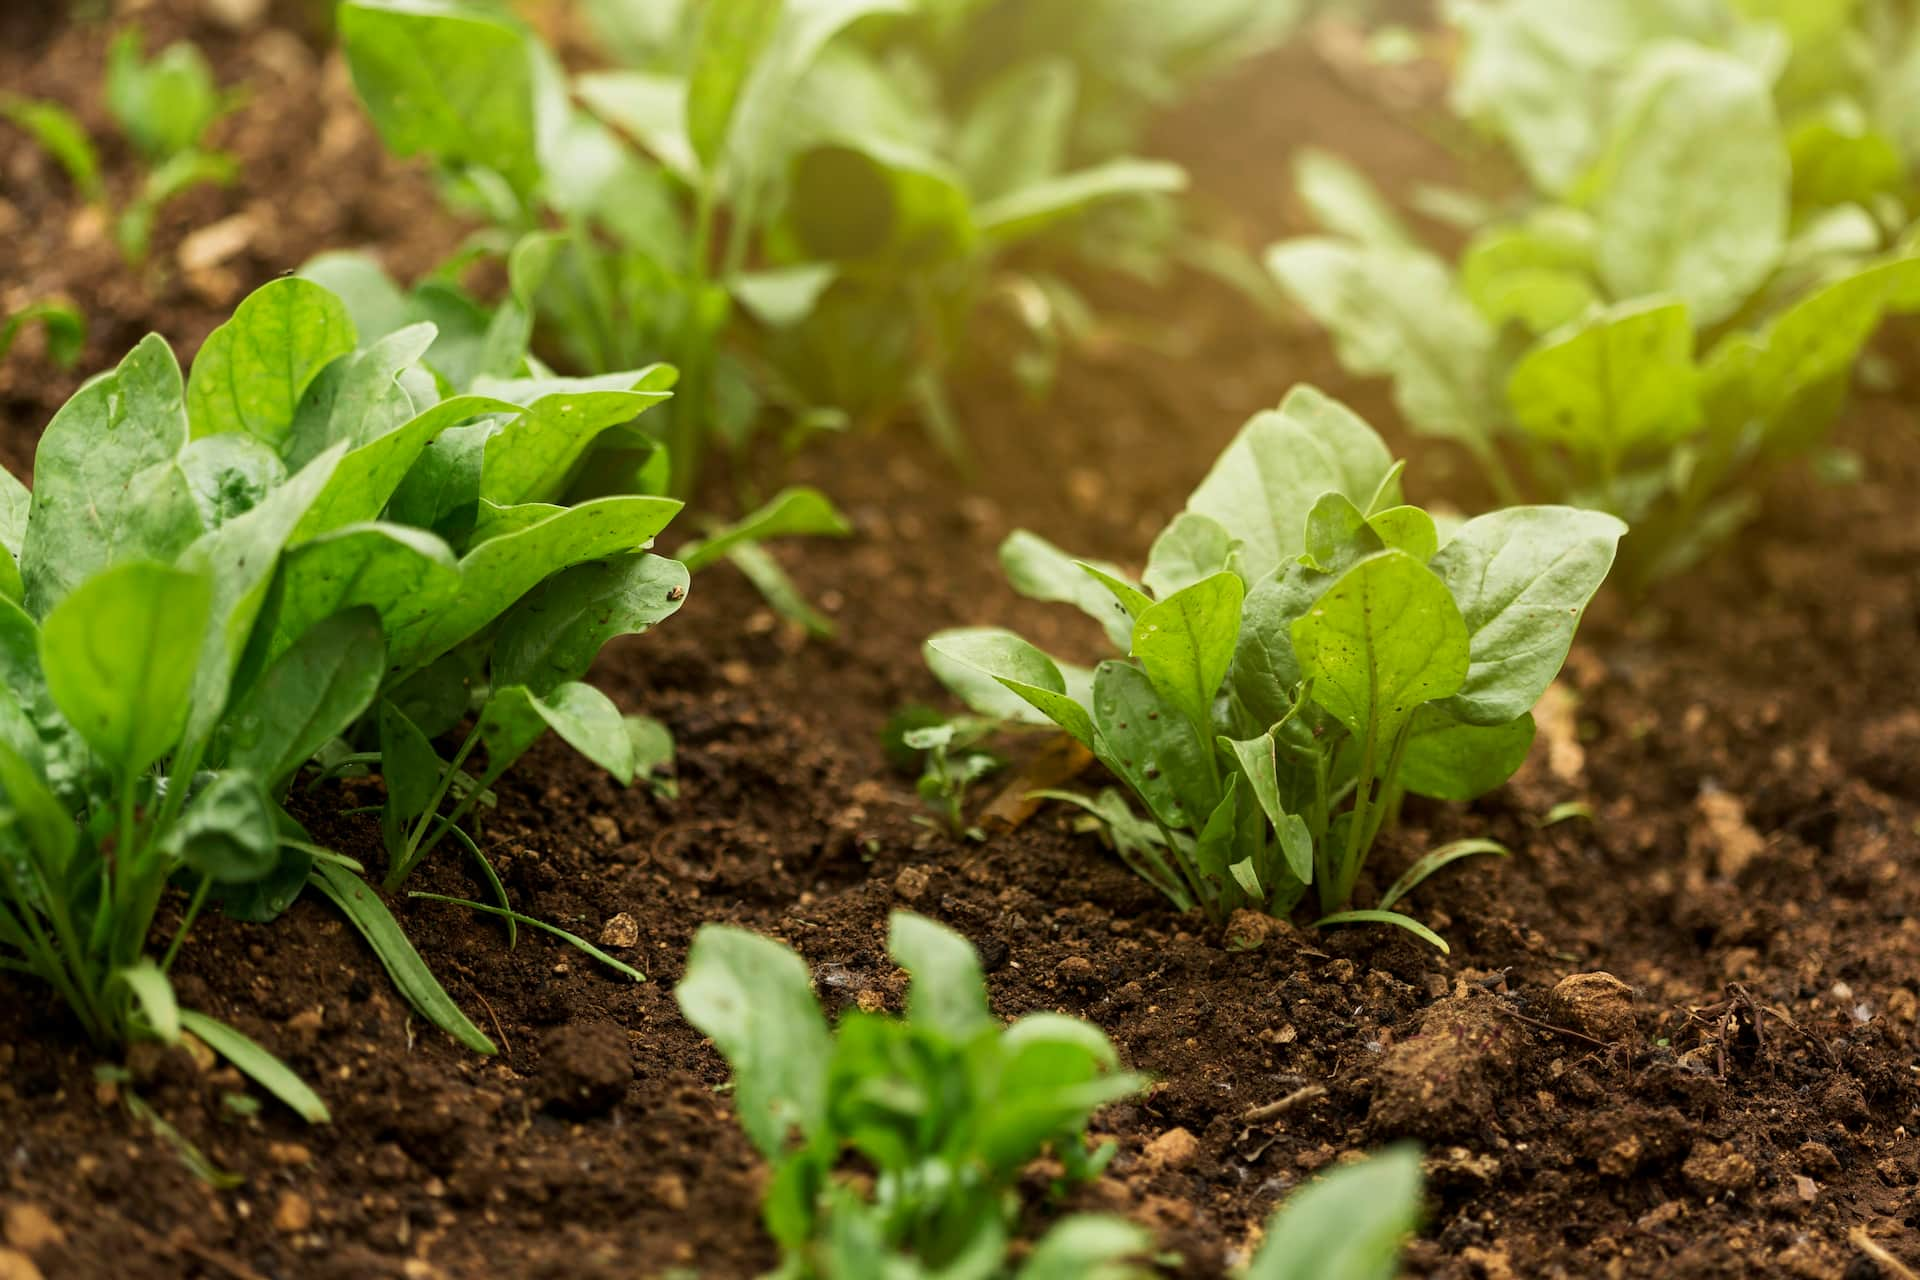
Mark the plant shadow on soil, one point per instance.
(1749, 742)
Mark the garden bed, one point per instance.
(1748, 742)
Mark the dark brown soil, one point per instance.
(1747, 741)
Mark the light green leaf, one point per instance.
(63, 137)
(454, 84)
(796, 512)
(108, 485)
(1260, 767)
(253, 370)
(1155, 749)
(733, 34)
(164, 104)
(949, 994)
(1344, 201)
(257, 1065)
(405, 575)
(367, 913)
(228, 831)
(1691, 196)
(532, 459)
(1041, 571)
(1349, 1225)
(998, 674)
(358, 398)
(1522, 577)
(1028, 211)
(754, 998)
(1017, 131)
(1393, 918)
(500, 570)
(1264, 484)
(1398, 313)
(1189, 549)
(308, 696)
(119, 656)
(1186, 641)
(154, 994)
(552, 634)
(1383, 640)
(1450, 760)
(1445, 855)
(1407, 529)
(1625, 378)
(587, 721)
(1085, 1246)
(1537, 272)
(874, 201)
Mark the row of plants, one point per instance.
(372, 532)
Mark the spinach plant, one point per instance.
(356, 565)
(164, 106)
(1304, 649)
(945, 1105)
(1721, 210)
(758, 201)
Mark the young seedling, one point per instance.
(1304, 650)
(164, 107)
(1579, 348)
(945, 1106)
(948, 754)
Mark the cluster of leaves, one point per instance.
(788, 199)
(1720, 212)
(945, 1107)
(303, 550)
(1304, 649)
(164, 106)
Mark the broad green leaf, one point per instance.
(253, 370)
(1017, 131)
(119, 656)
(376, 306)
(1625, 378)
(650, 107)
(552, 634)
(532, 459)
(1266, 670)
(1155, 749)
(1344, 201)
(1450, 760)
(1398, 313)
(310, 694)
(1807, 359)
(409, 765)
(357, 398)
(1349, 1225)
(441, 491)
(998, 674)
(754, 998)
(229, 475)
(948, 994)
(367, 913)
(1186, 641)
(257, 1065)
(1521, 578)
(454, 84)
(15, 505)
(587, 721)
(1215, 852)
(732, 36)
(500, 570)
(228, 831)
(1041, 571)
(239, 558)
(1407, 529)
(1262, 487)
(1028, 211)
(1131, 599)
(796, 512)
(1691, 196)
(1189, 549)
(108, 486)
(406, 576)
(1383, 640)
(1337, 534)
(368, 476)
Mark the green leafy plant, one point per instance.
(1348, 1225)
(949, 755)
(944, 1106)
(1304, 649)
(768, 198)
(164, 106)
(1721, 212)
(302, 550)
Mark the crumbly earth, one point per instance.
(1674, 1039)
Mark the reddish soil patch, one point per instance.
(1747, 741)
